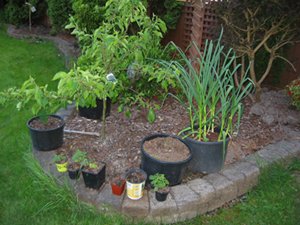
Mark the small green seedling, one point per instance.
(79, 156)
(59, 158)
(159, 181)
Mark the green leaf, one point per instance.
(151, 117)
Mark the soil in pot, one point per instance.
(94, 178)
(49, 124)
(167, 149)
(46, 135)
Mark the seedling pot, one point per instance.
(46, 140)
(118, 189)
(62, 167)
(135, 183)
(74, 174)
(161, 196)
(95, 113)
(172, 170)
(94, 180)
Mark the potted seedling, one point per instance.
(117, 185)
(76, 164)
(160, 184)
(46, 130)
(135, 183)
(61, 162)
(93, 173)
(213, 102)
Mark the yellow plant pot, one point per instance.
(62, 167)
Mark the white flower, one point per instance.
(33, 9)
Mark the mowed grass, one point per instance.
(28, 196)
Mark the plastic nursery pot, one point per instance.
(118, 186)
(161, 196)
(47, 139)
(74, 173)
(208, 157)
(135, 183)
(172, 170)
(95, 113)
(94, 180)
(62, 167)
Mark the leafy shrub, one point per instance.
(59, 12)
(16, 12)
(294, 92)
(126, 44)
(88, 14)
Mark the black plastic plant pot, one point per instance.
(161, 196)
(46, 140)
(95, 113)
(173, 171)
(74, 174)
(208, 157)
(94, 180)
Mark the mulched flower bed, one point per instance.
(121, 148)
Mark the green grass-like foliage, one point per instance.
(210, 95)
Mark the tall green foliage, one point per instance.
(59, 12)
(88, 14)
(126, 44)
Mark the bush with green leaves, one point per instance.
(210, 96)
(127, 45)
(16, 11)
(59, 12)
(88, 14)
(41, 100)
(294, 92)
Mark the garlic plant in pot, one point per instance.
(213, 102)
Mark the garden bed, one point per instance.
(121, 148)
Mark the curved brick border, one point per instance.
(188, 200)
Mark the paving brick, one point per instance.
(233, 173)
(159, 209)
(251, 173)
(256, 160)
(187, 201)
(293, 147)
(205, 191)
(225, 190)
(106, 197)
(136, 208)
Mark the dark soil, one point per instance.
(94, 170)
(167, 149)
(73, 166)
(49, 124)
(135, 177)
(118, 181)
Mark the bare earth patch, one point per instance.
(121, 148)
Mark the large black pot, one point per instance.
(46, 140)
(172, 170)
(95, 113)
(94, 180)
(208, 157)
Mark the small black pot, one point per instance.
(94, 180)
(95, 113)
(46, 140)
(161, 196)
(74, 174)
(172, 170)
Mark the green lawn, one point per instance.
(27, 196)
